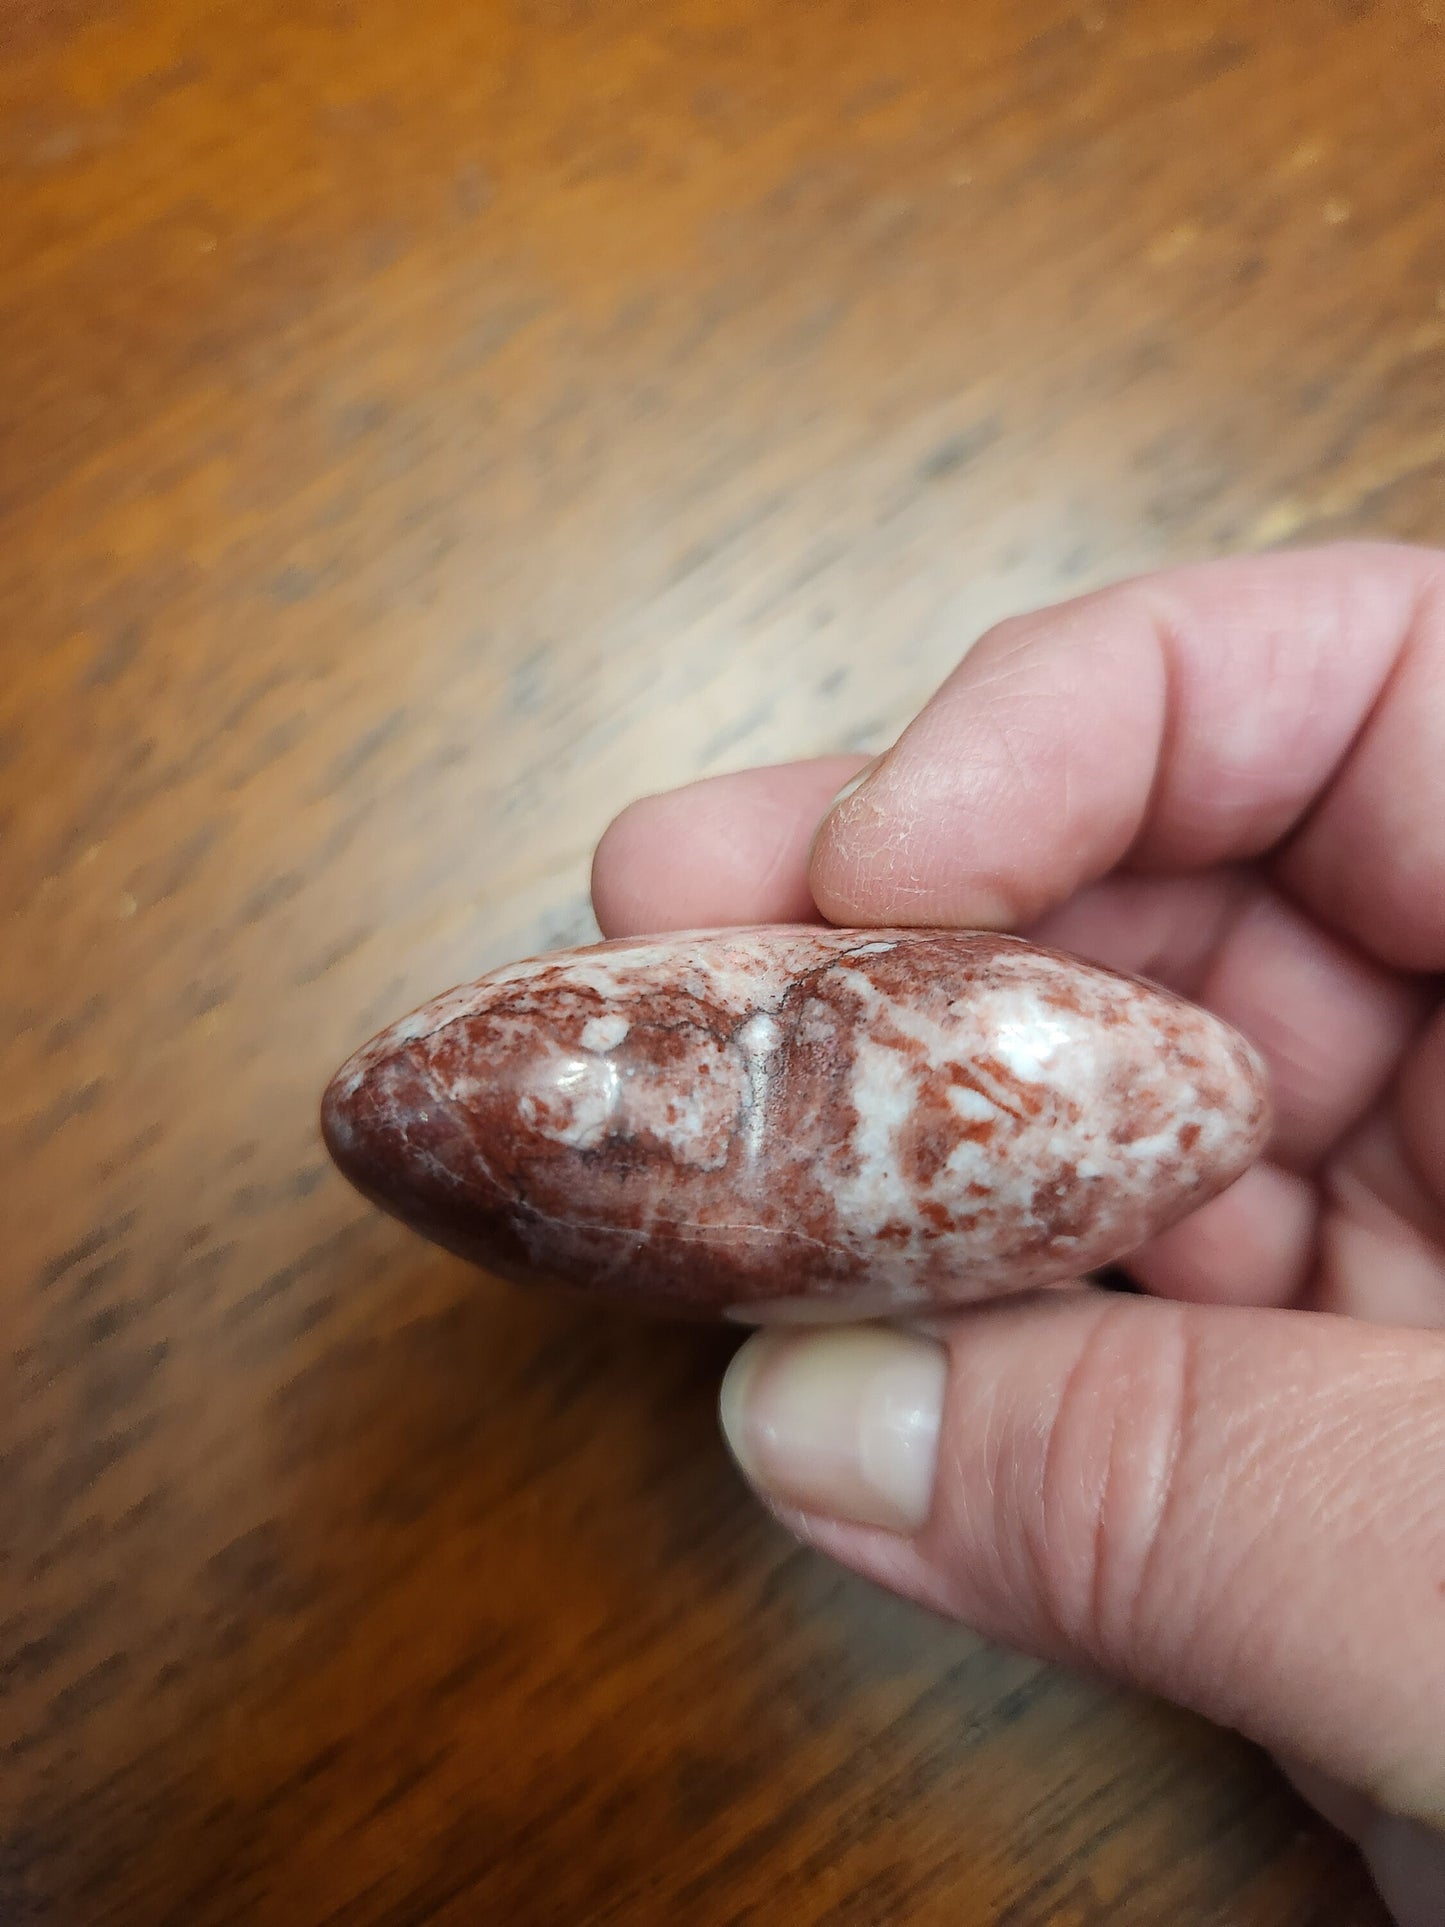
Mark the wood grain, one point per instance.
(423, 426)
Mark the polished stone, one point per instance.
(798, 1121)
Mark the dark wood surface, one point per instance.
(423, 425)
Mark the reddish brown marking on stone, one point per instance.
(924, 1146)
(1067, 1208)
(1063, 997)
(820, 1021)
(1000, 1086)
(1140, 1115)
(1188, 1136)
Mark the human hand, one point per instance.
(1229, 778)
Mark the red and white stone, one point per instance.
(799, 1122)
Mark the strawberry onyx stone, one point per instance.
(796, 1122)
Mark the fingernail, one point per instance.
(854, 784)
(843, 1423)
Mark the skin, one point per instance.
(1230, 778)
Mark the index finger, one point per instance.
(1291, 703)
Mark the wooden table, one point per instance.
(423, 425)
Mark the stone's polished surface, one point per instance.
(790, 1121)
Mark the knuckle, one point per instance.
(1116, 1485)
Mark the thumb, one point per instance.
(1241, 1510)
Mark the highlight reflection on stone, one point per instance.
(799, 1122)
